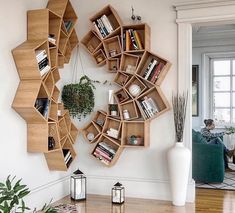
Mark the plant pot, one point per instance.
(179, 158)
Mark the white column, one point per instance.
(185, 82)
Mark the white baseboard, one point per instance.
(134, 187)
(137, 187)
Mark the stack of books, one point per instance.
(148, 106)
(153, 70)
(104, 152)
(42, 105)
(68, 25)
(112, 133)
(131, 40)
(103, 26)
(43, 62)
(67, 157)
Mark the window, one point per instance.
(223, 90)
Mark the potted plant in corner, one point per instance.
(11, 196)
(179, 156)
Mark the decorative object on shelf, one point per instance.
(135, 140)
(114, 68)
(133, 16)
(120, 97)
(134, 90)
(112, 53)
(179, 156)
(112, 133)
(100, 58)
(126, 114)
(118, 193)
(12, 193)
(113, 108)
(130, 69)
(79, 98)
(90, 136)
(78, 186)
(51, 143)
(100, 122)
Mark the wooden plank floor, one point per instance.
(207, 201)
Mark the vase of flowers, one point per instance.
(179, 156)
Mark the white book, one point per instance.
(101, 24)
(45, 70)
(68, 159)
(52, 40)
(150, 69)
(97, 29)
(107, 23)
(148, 109)
(152, 103)
(67, 155)
(106, 146)
(41, 58)
(40, 53)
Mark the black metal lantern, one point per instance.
(78, 186)
(118, 193)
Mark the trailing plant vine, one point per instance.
(79, 98)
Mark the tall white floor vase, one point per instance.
(179, 158)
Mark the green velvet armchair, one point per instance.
(207, 160)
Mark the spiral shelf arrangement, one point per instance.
(125, 49)
(51, 37)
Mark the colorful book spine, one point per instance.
(150, 68)
(137, 37)
(157, 72)
(128, 41)
(107, 23)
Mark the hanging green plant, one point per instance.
(79, 98)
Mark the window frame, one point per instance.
(231, 91)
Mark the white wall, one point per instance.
(208, 46)
(143, 171)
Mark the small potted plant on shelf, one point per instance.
(113, 108)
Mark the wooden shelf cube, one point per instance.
(121, 96)
(136, 38)
(121, 78)
(112, 18)
(152, 103)
(112, 124)
(107, 151)
(56, 75)
(53, 111)
(54, 133)
(129, 63)
(55, 94)
(24, 102)
(113, 65)
(135, 134)
(100, 57)
(26, 59)
(91, 41)
(112, 47)
(49, 83)
(73, 39)
(135, 87)
(53, 57)
(63, 131)
(63, 42)
(132, 109)
(90, 129)
(153, 68)
(100, 118)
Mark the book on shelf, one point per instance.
(156, 72)
(132, 40)
(44, 70)
(103, 26)
(106, 151)
(124, 40)
(68, 25)
(107, 147)
(43, 63)
(102, 159)
(151, 66)
(107, 23)
(40, 55)
(42, 105)
(138, 40)
(149, 106)
(69, 162)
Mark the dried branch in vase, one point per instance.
(179, 102)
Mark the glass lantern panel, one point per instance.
(78, 188)
(116, 195)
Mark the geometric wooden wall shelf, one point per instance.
(51, 37)
(125, 49)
